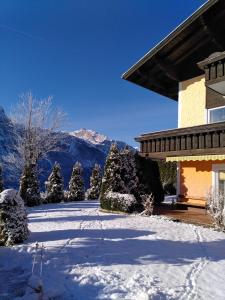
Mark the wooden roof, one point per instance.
(175, 58)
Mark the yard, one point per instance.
(89, 254)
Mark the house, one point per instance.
(188, 66)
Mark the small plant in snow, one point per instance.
(76, 184)
(148, 204)
(95, 183)
(13, 218)
(54, 185)
(1, 180)
(216, 209)
(29, 186)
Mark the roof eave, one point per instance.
(169, 37)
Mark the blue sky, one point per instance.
(77, 50)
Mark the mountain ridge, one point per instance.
(89, 148)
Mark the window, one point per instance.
(216, 114)
(218, 180)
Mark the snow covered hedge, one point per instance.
(119, 202)
(13, 218)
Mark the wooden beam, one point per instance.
(166, 68)
(212, 35)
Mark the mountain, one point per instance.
(89, 135)
(86, 146)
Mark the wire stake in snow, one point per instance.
(42, 255)
(35, 257)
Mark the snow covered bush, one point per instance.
(148, 204)
(1, 180)
(54, 185)
(29, 186)
(216, 209)
(76, 184)
(95, 183)
(13, 218)
(120, 202)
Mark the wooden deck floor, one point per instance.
(191, 215)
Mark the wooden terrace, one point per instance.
(191, 215)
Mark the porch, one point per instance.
(186, 214)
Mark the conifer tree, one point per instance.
(54, 185)
(112, 181)
(76, 184)
(1, 180)
(95, 183)
(13, 218)
(29, 186)
(129, 171)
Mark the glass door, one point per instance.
(221, 181)
(218, 183)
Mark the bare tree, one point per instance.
(215, 207)
(37, 124)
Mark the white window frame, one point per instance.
(215, 175)
(208, 113)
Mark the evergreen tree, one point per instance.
(76, 184)
(129, 171)
(13, 219)
(29, 186)
(112, 181)
(95, 183)
(1, 180)
(54, 185)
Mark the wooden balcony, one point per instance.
(214, 68)
(197, 140)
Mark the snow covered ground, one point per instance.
(93, 255)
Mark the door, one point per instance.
(219, 178)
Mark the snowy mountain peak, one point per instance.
(89, 135)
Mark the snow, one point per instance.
(94, 255)
(89, 135)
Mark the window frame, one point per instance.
(208, 114)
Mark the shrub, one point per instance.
(54, 185)
(216, 209)
(119, 202)
(148, 204)
(149, 179)
(112, 180)
(129, 171)
(29, 186)
(95, 183)
(13, 218)
(76, 184)
(168, 176)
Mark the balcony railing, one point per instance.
(203, 139)
(214, 68)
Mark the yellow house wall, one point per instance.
(192, 98)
